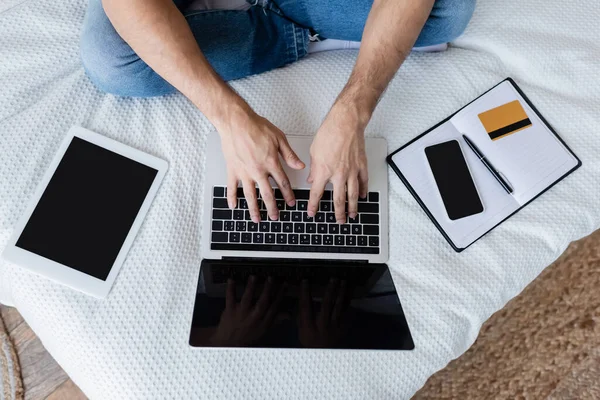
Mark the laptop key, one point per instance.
(302, 205)
(220, 237)
(220, 203)
(229, 226)
(288, 207)
(285, 216)
(240, 226)
(281, 238)
(218, 191)
(362, 241)
(353, 220)
(243, 204)
(234, 237)
(345, 229)
(275, 226)
(356, 229)
(304, 239)
(252, 226)
(326, 195)
(270, 238)
(374, 241)
(368, 208)
(374, 197)
(280, 204)
(316, 240)
(257, 238)
(297, 216)
(264, 226)
(322, 228)
(350, 240)
(263, 215)
(320, 217)
(306, 218)
(334, 229)
(217, 225)
(311, 228)
(293, 239)
(330, 217)
(221, 214)
(328, 240)
(339, 240)
(299, 228)
(246, 237)
(247, 216)
(288, 227)
(326, 206)
(369, 219)
(302, 194)
(238, 214)
(370, 230)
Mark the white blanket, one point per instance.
(134, 344)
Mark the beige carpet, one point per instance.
(11, 386)
(545, 344)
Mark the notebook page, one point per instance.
(531, 159)
(498, 204)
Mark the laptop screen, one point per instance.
(303, 304)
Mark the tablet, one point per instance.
(86, 212)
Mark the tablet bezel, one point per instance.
(62, 273)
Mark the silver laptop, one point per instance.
(231, 233)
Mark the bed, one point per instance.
(133, 345)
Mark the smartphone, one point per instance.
(454, 181)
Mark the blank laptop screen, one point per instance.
(87, 209)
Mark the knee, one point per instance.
(448, 20)
(109, 62)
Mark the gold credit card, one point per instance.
(505, 120)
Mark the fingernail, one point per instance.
(291, 203)
(231, 205)
(274, 217)
(311, 213)
(341, 221)
(352, 215)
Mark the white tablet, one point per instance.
(86, 212)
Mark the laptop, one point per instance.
(296, 264)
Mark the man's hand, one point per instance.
(338, 156)
(252, 146)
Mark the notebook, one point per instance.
(513, 136)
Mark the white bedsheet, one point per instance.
(133, 345)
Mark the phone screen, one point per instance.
(453, 179)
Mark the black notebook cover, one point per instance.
(422, 204)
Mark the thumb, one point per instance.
(291, 158)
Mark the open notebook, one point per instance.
(527, 151)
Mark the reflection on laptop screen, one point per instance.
(263, 304)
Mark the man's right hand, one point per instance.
(251, 146)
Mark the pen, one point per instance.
(497, 174)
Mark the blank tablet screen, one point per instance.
(87, 209)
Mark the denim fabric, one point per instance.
(271, 34)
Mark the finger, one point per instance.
(284, 185)
(246, 302)
(353, 188)
(250, 194)
(262, 306)
(328, 302)
(340, 303)
(316, 192)
(230, 297)
(266, 192)
(339, 201)
(232, 184)
(289, 156)
(363, 181)
(306, 312)
(274, 307)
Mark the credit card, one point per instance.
(505, 120)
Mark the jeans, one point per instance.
(271, 34)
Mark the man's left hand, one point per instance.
(338, 156)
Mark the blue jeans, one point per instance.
(271, 34)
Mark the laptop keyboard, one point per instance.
(295, 231)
